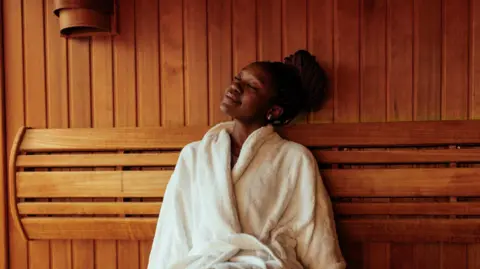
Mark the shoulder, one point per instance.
(298, 152)
(189, 151)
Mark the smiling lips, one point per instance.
(229, 95)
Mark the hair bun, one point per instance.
(313, 77)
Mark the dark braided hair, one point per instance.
(300, 84)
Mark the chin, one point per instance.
(225, 109)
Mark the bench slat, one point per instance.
(92, 184)
(86, 139)
(425, 208)
(410, 230)
(86, 208)
(98, 160)
(368, 230)
(89, 228)
(404, 182)
(398, 156)
(323, 156)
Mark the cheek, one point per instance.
(254, 104)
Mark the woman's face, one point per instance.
(248, 98)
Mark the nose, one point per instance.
(237, 87)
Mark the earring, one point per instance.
(269, 117)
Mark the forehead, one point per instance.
(256, 71)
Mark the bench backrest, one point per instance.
(393, 182)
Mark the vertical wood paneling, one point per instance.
(400, 60)
(320, 44)
(80, 116)
(454, 256)
(427, 59)
(147, 61)
(35, 99)
(57, 112)
(125, 104)
(269, 27)
(455, 94)
(294, 26)
(219, 55)
(196, 63)
(400, 90)
(346, 61)
(102, 117)
(244, 34)
(171, 55)
(124, 67)
(3, 168)
(15, 108)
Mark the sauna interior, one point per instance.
(402, 72)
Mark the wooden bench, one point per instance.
(390, 182)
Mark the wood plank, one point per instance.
(3, 169)
(331, 135)
(428, 59)
(474, 60)
(269, 43)
(125, 67)
(371, 230)
(243, 37)
(90, 228)
(196, 62)
(455, 52)
(373, 61)
(85, 139)
(98, 160)
(346, 61)
(83, 255)
(410, 230)
(473, 256)
(453, 256)
(92, 184)
(423, 133)
(145, 249)
(320, 41)
(426, 256)
(79, 82)
(147, 62)
(171, 55)
(398, 156)
(401, 256)
(323, 156)
(35, 99)
(128, 255)
(294, 26)
(61, 254)
(105, 251)
(408, 208)
(219, 18)
(402, 182)
(87, 208)
(12, 26)
(400, 60)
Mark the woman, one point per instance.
(243, 197)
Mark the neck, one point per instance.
(241, 131)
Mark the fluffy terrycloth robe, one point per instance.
(262, 214)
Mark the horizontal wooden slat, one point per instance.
(92, 184)
(369, 230)
(98, 160)
(92, 139)
(425, 208)
(317, 135)
(86, 208)
(403, 182)
(398, 156)
(43, 228)
(385, 133)
(410, 230)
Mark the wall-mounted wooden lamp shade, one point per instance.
(86, 17)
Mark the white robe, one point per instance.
(262, 214)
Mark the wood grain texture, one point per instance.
(147, 62)
(172, 63)
(3, 158)
(243, 40)
(85, 208)
(269, 27)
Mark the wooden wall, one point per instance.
(389, 60)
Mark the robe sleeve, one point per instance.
(317, 243)
(172, 240)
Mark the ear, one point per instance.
(276, 112)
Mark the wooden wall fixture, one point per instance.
(86, 17)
